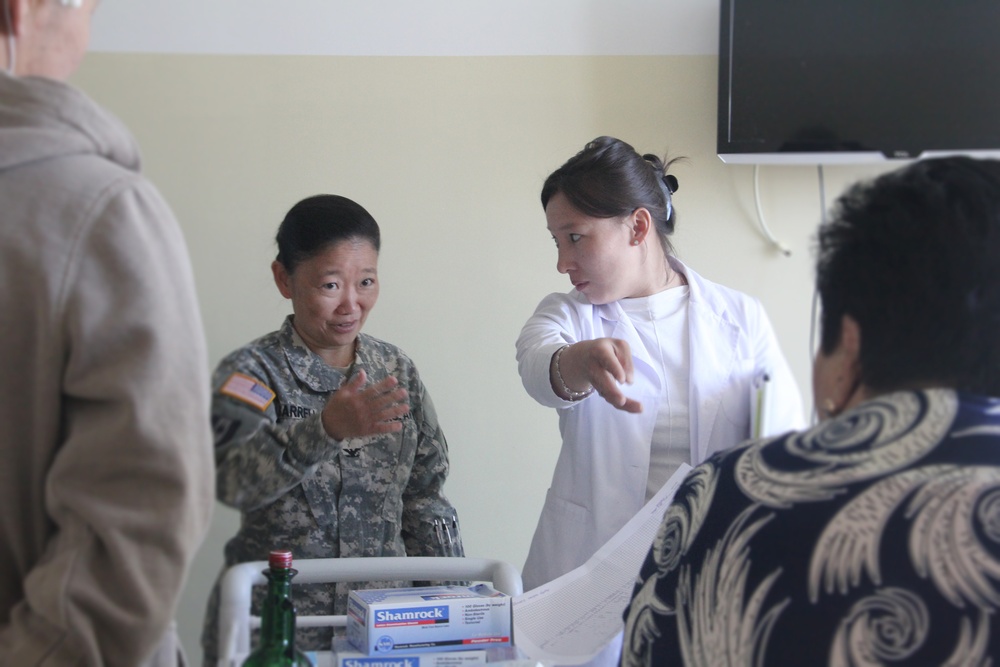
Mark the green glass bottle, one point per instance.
(277, 618)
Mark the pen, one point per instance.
(440, 536)
(759, 414)
(454, 530)
(450, 547)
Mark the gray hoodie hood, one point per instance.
(42, 119)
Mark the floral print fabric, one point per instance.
(870, 539)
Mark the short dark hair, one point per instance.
(317, 222)
(914, 257)
(609, 179)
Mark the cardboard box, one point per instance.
(346, 655)
(428, 619)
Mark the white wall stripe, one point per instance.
(408, 27)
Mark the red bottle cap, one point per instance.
(280, 559)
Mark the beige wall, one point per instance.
(448, 154)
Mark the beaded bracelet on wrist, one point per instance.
(573, 395)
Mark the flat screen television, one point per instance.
(850, 81)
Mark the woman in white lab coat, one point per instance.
(648, 364)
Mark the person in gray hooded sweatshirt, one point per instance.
(106, 485)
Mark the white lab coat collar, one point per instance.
(712, 358)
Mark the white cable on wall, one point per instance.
(764, 229)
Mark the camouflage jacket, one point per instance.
(298, 488)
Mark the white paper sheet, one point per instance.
(569, 620)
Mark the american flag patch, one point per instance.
(248, 390)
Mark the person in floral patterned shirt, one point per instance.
(872, 538)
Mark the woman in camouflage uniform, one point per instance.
(325, 438)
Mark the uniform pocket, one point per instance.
(560, 542)
(567, 520)
(736, 396)
(390, 461)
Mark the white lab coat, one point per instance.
(600, 477)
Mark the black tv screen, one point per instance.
(839, 81)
